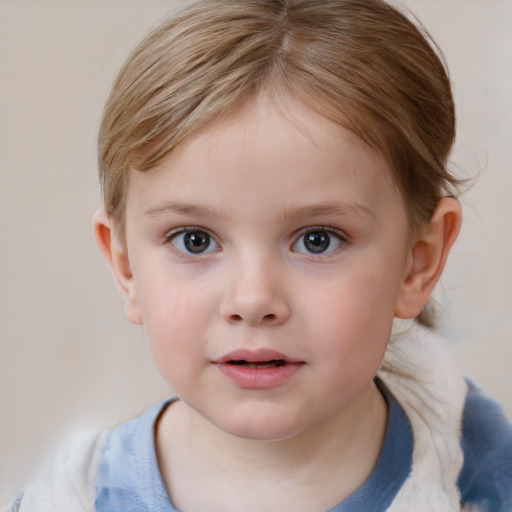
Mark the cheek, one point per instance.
(170, 300)
(355, 302)
(176, 317)
(351, 322)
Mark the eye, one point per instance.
(193, 241)
(318, 241)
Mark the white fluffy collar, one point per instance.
(420, 372)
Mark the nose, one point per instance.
(255, 297)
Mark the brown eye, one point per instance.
(194, 242)
(318, 241)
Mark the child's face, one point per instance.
(281, 244)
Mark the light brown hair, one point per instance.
(361, 63)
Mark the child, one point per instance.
(276, 197)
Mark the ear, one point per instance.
(428, 257)
(116, 254)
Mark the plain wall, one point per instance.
(68, 357)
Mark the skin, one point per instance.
(255, 185)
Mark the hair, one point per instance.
(360, 63)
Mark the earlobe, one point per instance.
(428, 258)
(116, 255)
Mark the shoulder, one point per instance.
(67, 484)
(128, 475)
(486, 476)
(95, 461)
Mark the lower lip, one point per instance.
(259, 378)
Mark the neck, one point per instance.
(291, 473)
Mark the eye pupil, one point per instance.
(196, 241)
(317, 241)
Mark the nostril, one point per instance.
(270, 317)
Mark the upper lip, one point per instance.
(255, 356)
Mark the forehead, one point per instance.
(267, 153)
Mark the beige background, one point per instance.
(68, 358)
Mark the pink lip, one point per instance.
(260, 377)
(255, 356)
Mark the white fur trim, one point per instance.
(420, 372)
(68, 485)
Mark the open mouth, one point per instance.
(274, 363)
(258, 369)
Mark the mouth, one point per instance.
(256, 358)
(258, 368)
(274, 363)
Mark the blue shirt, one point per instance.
(129, 478)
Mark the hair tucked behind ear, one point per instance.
(360, 63)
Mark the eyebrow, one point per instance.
(192, 210)
(334, 209)
(288, 214)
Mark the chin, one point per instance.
(260, 427)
